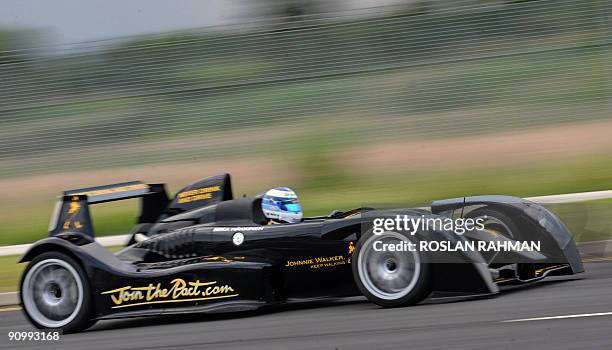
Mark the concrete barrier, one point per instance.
(107, 241)
(11, 298)
(595, 249)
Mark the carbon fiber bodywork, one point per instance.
(222, 255)
(534, 221)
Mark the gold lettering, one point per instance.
(318, 262)
(197, 194)
(179, 290)
(124, 294)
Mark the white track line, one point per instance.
(559, 317)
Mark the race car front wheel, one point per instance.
(55, 293)
(390, 278)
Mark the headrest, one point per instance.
(244, 211)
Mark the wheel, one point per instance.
(501, 224)
(390, 278)
(495, 221)
(55, 293)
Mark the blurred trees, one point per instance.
(279, 11)
(11, 42)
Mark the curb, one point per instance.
(10, 298)
(595, 249)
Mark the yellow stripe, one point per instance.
(7, 309)
(174, 301)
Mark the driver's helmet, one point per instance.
(281, 205)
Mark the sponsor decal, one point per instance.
(238, 238)
(177, 291)
(115, 190)
(324, 261)
(231, 229)
(197, 194)
(73, 215)
(351, 249)
(318, 262)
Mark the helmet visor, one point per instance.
(291, 206)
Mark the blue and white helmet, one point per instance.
(281, 204)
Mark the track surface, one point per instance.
(356, 324)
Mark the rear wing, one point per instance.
(72, 208)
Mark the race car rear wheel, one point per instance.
(390, 278)
(55, 293)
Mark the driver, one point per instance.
(281, 205)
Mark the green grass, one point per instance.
(325, 186)
(30, 222)
(10, 273)
(214, 71)
(414, 187)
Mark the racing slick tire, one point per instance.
(501, 224)
(496, 221)
(390, 278)
(55, 293)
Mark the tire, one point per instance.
(496, 221)
(390, 279)
(55, 293)
(501, 224)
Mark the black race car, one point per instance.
(203, 251)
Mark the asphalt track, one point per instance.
(357, 324)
